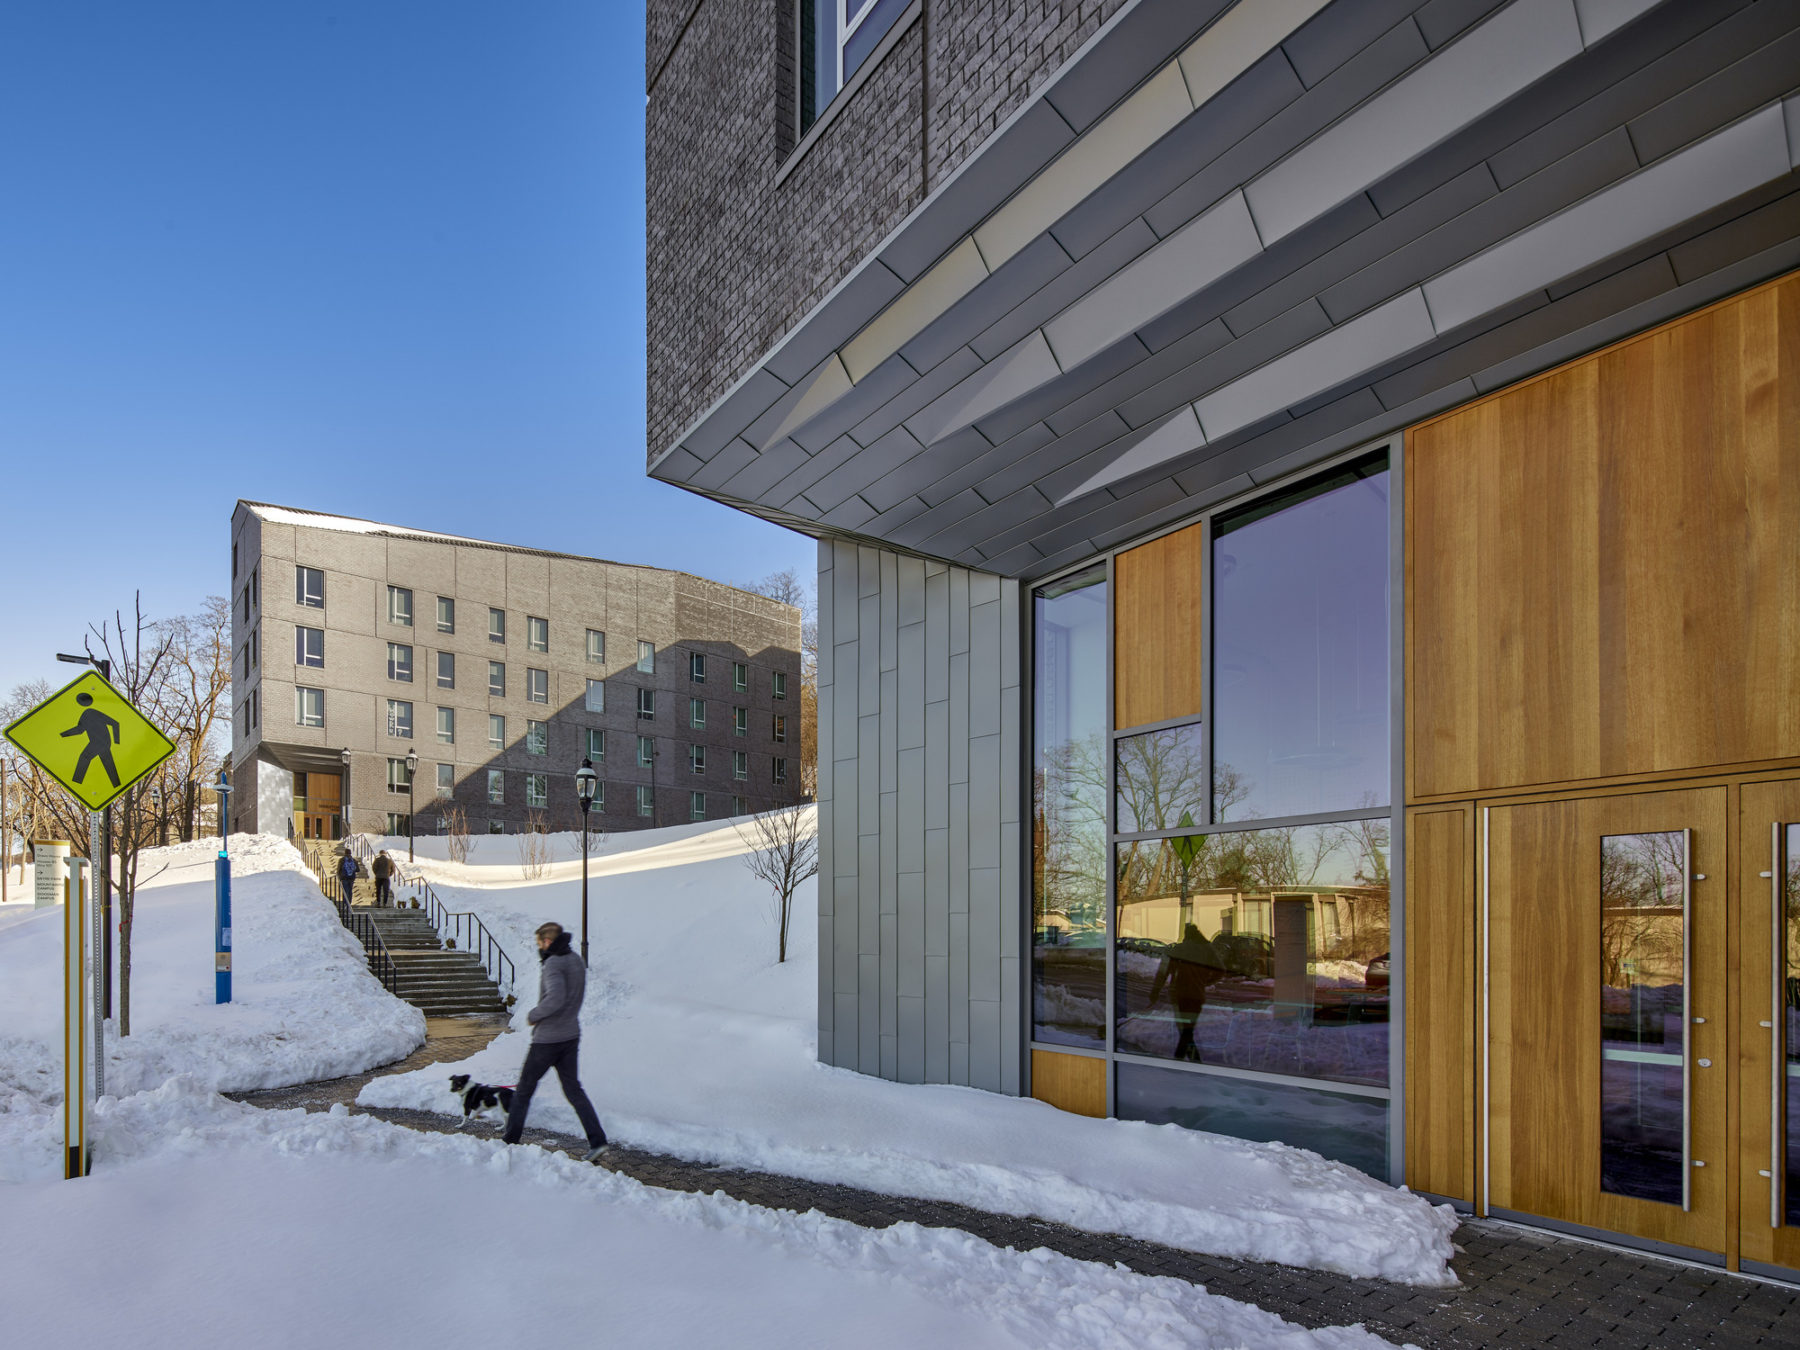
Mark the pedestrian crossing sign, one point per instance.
(89, 738)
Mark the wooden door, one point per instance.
(1768, 888)
(1607, 1074)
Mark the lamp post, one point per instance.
(344, 796)
(585, 781)
(412, 768)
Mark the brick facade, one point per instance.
(734, 258)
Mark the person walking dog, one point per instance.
(556, 1039)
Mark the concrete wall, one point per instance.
(920, 889)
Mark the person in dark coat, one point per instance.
(1189, 968)
(383, 870)
(347, 869)
(556, 1039)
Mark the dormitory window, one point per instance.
(256, 588)
(497, 679)
(537, 686)
(446, 674)
(740, 721)
(780, 683)
(646, 703)
(834, 41)
(309, 707)
(696, 759)
(537, 635)
(596, 696)
(400, 606)
(496, 827)
(696, 712)
(596, 645)
(256, 646)
(309, 647)
(600, 795)
(496, 785)
(697, 805)
(399, 721)
(781, 771)
(647, 657)
(596, 744)
(737, 806)
(400, 662)
(496, 731)
(697, 667)
(446, 725)
(398, 781)
(781, 728)
(446, 614)
(740, 764)
(446, 780)
(537, 738)
(646, 752)
(646, 802)
(740, 676)
(399, 822)
(309, 588)
(255, 707)
(537, 789)
(496, 625)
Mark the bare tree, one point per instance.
(196, 700)
(456, 832)
(784, 852)
(534, 847)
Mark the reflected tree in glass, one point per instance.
(1161, 780)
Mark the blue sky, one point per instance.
(377, 258)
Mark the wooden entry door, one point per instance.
(1607, 1068)
(1768, 889)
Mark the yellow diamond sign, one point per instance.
(89, 739)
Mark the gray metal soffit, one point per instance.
(1196, 258)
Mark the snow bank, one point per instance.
(500, 1245)
(697, 1043)
(304, 1005)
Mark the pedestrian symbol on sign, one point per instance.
(101, 731)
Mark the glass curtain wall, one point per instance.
(1249, 847)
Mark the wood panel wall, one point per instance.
(1069, 1082)
(1441, 1001)
(1601, 568)
(1157, 668)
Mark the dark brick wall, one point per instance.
(733, 259)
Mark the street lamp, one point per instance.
(585, 782)
(412, 765)
(223, 788)
(344, 796)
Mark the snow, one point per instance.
(697, 1043)
(416, 1239)
(304, 1005)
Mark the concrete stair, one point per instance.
(438, 981)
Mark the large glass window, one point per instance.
(1300, 651)
(835, 38)
(1264, 950)
(1069, 813)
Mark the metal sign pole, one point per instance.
(100, 908)
(222, 928)
(75, 1085)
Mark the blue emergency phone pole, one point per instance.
(222, 906)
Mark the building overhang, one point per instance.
(1228, 239)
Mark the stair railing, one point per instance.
(469, 933)
(358, 921)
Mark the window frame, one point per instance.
(300, 693)
(446, 614)
(395, 720)
(446, 666)
(496, 625)
(302, 657)
(496, 721)
(537, 634)
(400, 668)
(537, 686)
(596, 651)
(394, 610)
(303, 597)
(446, 717)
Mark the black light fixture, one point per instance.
(344, 795)
(586, 782)
(412, 768)
(223, 788)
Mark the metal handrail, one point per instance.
(360, 924)
(470, 933)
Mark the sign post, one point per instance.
(222, 929)
(89, 738)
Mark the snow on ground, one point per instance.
(697, 1043)
(284, 1229)
(304, 1005)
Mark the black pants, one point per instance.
(384, 890)
(539, 1060)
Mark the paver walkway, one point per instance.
(1520, 1287)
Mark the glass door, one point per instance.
(1769, 1030)
(1607, 1073)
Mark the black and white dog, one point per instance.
(479, 1100)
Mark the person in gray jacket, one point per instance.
(556, 1039)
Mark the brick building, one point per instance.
(1305, 492)
(355, 644)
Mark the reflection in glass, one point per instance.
(1161, 782)
(1068, 813)
(1790, 1007)
(1643, 1035)
(1340, 1125)
(1300, 651)
(1258, 949)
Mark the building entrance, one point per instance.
(318, 805)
